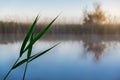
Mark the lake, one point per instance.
(86, 57)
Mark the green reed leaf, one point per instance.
(28, 36)
(20, 63)
(41, 34)
(30, 48)
(32, 57)
(41, 53)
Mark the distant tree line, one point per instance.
(22, 28)
(94, 23)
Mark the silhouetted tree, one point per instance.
(95, 17)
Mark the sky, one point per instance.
(51, 8)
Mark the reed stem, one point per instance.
(10, 69)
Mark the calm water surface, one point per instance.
(70, 60)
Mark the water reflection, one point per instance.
(96, 48)
(64, 63)
(11, 38)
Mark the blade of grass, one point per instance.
(28, 56)
(30, 49)
(28, 36)
(41, 53)
(32, 57)
(41, 34)
(25, 71)
(23, 44)
(32, 41)
(20, 63)
(10, 69)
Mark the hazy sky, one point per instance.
(69, 8)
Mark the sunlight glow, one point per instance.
(22, 9)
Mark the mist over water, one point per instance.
(82, 58)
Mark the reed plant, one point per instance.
(27, 45)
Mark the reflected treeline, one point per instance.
(94, 47)
(93, 44)
(11, 38)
